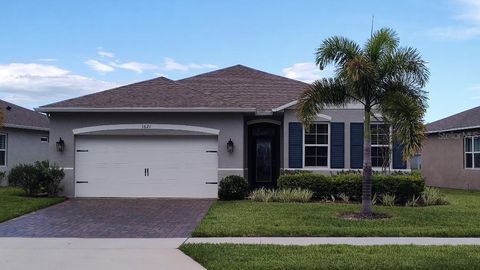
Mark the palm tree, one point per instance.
(384, 78)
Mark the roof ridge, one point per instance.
(245, 67)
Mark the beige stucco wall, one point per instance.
(443, 163)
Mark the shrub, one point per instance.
(414, 202)
(37, 179)
(2, 176)
(388, 199)
(374, 198)
(344, 197)
(25, 176)
(433, 196)
(232, 187)
(403, 186)
(261, 195)
(50, 176)
(281, 195)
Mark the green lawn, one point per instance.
(230, 256)
(14, 203)
(245, 218)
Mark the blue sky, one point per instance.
(52, 50)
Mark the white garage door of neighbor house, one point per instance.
(146, 166)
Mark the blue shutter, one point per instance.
(356, 145)
(337, 145)
(295, 145)
(398, 162)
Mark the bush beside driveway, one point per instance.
(14, 203)
(460, 218)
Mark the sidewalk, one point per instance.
(80, 254)
(359, 241)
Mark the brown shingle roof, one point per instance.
(159, 92)
(16, 116)
(248, 87)
(233, 87)
(464, 120)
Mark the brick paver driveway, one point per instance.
(111, 218)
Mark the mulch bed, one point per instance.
(360, 216)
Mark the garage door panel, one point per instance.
(114, 166)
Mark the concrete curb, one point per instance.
(359, 241)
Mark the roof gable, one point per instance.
(248, 87)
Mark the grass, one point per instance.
(460, 218)
(230, 257)
(14, 203)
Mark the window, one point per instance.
(3, 150)
(380, 145)
(316, 146)
(472, 152)
(44, 139)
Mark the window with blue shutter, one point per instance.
(356, 145)
(398, 162)
(337, 147)
(295, 145)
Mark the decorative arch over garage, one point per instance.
(120, 127)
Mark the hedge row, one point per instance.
(404, 186)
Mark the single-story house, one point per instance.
(23, 136)
(451, 152)
(165, 138)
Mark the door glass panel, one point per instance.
(264, 160)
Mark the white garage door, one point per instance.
(146, 166)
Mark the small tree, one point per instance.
(382, 77)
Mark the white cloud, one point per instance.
(468, 17)
(32, 84)
(105, 54)
(170, 65)
(98, 66)
(134, 66)
(306, 72)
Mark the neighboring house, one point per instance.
(23, 137)
(165, 138)
(451, 152)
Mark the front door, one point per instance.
(263, 155)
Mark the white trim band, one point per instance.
(212, 131)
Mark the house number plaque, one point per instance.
(146, 126)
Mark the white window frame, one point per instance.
(328, 147)
(389, 145)
(473, 152)
(5, 150)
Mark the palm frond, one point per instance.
(406, 62)
(383, 41)
(336, 50)
(405, 114)
(321, 93)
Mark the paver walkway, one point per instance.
(111, 218)
(361, 241)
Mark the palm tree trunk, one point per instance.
(367, 167)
